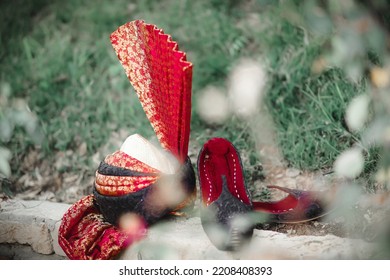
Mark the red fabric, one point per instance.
(219, 157)
(162, 79)
(123, 160)
(83, 235)
(294, 202)
(275, 207)
(121, 185)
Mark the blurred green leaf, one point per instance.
(6, 128)
(5, 156)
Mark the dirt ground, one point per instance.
(359, 218)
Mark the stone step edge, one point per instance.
(36, 224)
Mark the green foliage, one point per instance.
(310, 118)
(308, 109)
(308, 104)
(204, 30)
(56, 55)
(60, 60)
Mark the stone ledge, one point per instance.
(24, 252)
(185, 239)
(36, 224)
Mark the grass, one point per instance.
(309, 108)
(57, 56)
(66, 69)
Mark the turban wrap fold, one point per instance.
(162, 79)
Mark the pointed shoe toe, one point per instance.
(297, 207)
(225, 201)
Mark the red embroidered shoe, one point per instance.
(225, 198)
(297, 207)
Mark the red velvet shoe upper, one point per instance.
(219, 157)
